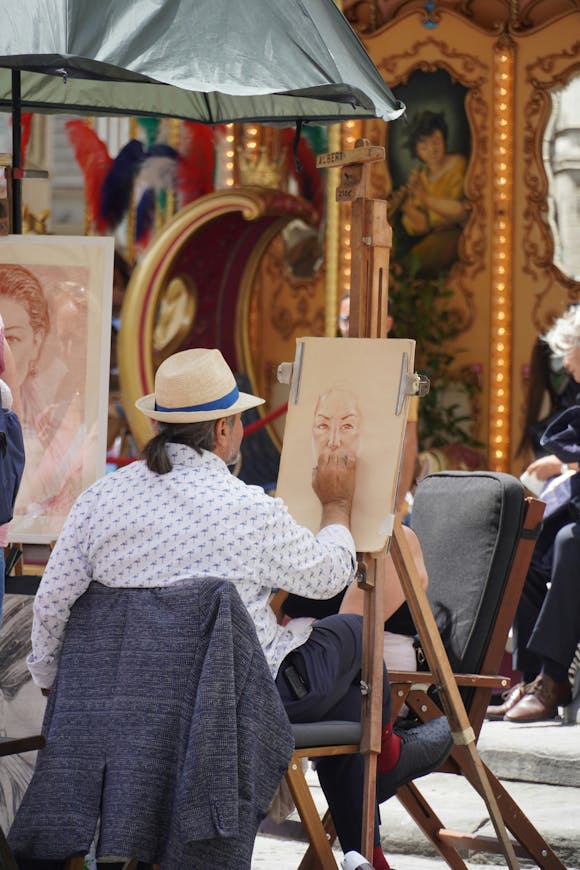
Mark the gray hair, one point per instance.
(565, 332)
(199, 436)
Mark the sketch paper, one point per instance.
(344, 395)
(55, 300)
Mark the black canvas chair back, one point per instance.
(468, 524)
(477, 531)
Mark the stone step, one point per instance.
(540, 752)
(539, 765)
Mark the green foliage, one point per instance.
(422, 310)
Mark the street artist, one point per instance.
(181, 514)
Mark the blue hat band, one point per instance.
(217, 404)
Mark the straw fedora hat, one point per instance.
(193, 386)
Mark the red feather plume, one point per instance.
(196, 161)
(95, 162)
(25, 124)
(26, 121)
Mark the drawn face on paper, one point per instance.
(24, 342)
(337, 423)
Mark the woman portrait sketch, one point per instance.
(347, 401)
(55, 301)
(337, 422)
(46, 332)
(428, 162)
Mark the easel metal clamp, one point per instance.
(411, 385)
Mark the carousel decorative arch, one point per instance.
(195, 288)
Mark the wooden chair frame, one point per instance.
(411, 688)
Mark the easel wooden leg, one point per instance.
(372, 702)
(463, 734)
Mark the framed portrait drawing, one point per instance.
(55, 301)
(350, 396)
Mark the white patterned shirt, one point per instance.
(135, 528)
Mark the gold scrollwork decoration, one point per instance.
(431, 55)
(542, 77)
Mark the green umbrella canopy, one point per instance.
(213, 61)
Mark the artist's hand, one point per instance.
(333, 479)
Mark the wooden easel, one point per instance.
(371, 241)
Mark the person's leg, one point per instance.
(530, 605)
(524, 660)
(555, 635)
(328, 665)
(557, 630)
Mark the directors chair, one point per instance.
(477, 531)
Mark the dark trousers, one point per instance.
(547, 622)
(329, 664)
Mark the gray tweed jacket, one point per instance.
(164, 723)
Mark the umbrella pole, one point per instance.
(16, 153)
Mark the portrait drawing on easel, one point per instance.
(347, 396)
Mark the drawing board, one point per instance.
(348, 394)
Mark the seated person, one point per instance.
(400, 631)
(547, 623)
(181, 514)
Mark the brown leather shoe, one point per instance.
(496, 712)
(540, 701)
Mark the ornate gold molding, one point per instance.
(541, 77)
(431, 55)
(500, 389)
